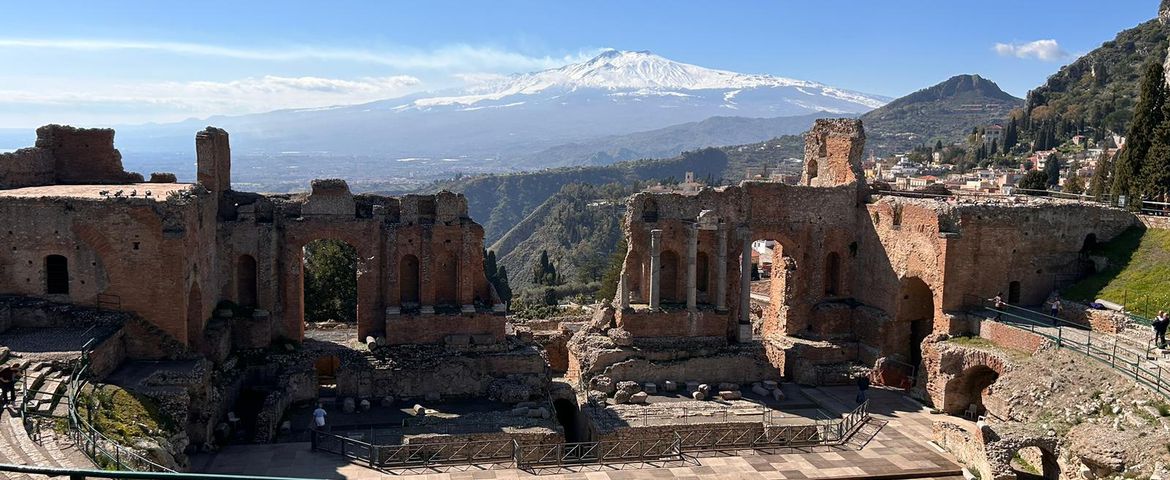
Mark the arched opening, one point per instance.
(330, 281)
(915, 315)
(1014, 293)
(56, 275)
(246, 281)
(447, 280)
(650, 211)
(833, 274)
(702, 272)
(195, 316)
(668, 278)
(1035, 463)
(567, 416)
(964, 394)
(812, 169)
(1089, 244)
(408, 281)
(326, 368)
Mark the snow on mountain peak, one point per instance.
(637, 71)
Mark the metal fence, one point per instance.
(713, 437)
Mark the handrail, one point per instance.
(77, 473)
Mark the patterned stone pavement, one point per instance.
(898, 450)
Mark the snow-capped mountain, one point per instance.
(614, 93)
(646, 74)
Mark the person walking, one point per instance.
(862, 387)
(319, 417)
(1160, 323)
(998, 302)
(8, 384)
(1055, 308)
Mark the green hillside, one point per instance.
(944, 112)
(1138, 273)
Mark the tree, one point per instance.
(1148, 115)
(613, 273)
(1074, 185)
(994, 149)
(938, 145)
(1036, 181)
(1101, 183)
(1010, 135)
(503, 289)
(1052, 170)
(330, 281)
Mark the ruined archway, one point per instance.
(915, 317)
(447, 280)
(56, 275)
(568, 417)
(668, 275)
(965, 393)
(326, 369)
(1035, 463)
(246, 281)
(329, 281)
(408, 281)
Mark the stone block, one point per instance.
(418, 410)
(703, 387)
(622, 396)
(286, 427)
(770, 384)
(760, 390)
(387, 401)
(364, 405)
(669, 386)
(432, 396)
(698, 395)
(604, 384)
(520, 411)
(427, 310)
(629, 386)
(778, 394)
(728, 386)
(692, 386)
(483, 339)
(730, 395)
(457, 340)
(650, 388)
(536, 412)
(639, 398)
(348, 405)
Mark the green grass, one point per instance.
(975, 342)
(124, 416)
(1137, 275)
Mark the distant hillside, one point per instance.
(579, 226)
(500, 202)
(671, 141)
(1096, 93)
(947, 111)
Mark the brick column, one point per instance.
(721, 272)
(745, 287)
(655, 268)
(692, 253)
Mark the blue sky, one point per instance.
(103, 63)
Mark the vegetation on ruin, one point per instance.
(1137, 273)
(123, 416)
(330, 281)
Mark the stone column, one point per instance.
(624, 290)
(721, 272)
(655, 268)
(692, 254)
(745, 287)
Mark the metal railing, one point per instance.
(1107, 349)
(1146, 207)
(716, 437)
(82, 474)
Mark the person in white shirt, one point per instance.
(319, 417)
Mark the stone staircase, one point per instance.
(45, 447)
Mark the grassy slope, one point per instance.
(1138, 272)
(123, 416)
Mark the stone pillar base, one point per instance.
(427, 310)
(744, 334)
(467, 309)
(499, 308)
(393, 310)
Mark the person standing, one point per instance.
(7, 384)
(1160, 323)
(319, 417)
(1055, 307)
(998, 301)
(862, 387)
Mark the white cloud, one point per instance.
(177, 100)
(462, 57)
(1047, 50)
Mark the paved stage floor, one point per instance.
(898, 449)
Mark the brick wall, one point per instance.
(1012, 337)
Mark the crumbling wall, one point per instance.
(27, 167)
(84, 155)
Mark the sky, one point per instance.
(124, 62)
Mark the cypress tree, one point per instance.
(1155, 170)
(1147, 116)
(1052, 170)
(1102, 176)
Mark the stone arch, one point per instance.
(447, 279)
(1033, 462)
(668, 276)
(915, 315)
(969, 388)
(246, 281)
(1089, 243)
(832, 274)
(650, 211)
(1008, 452)
(408, 280)
(56, 275)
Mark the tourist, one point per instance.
(7, 384)
(862, 387)
(319, 417)
(1160, 324)
(1055, 307)
(998, 301)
